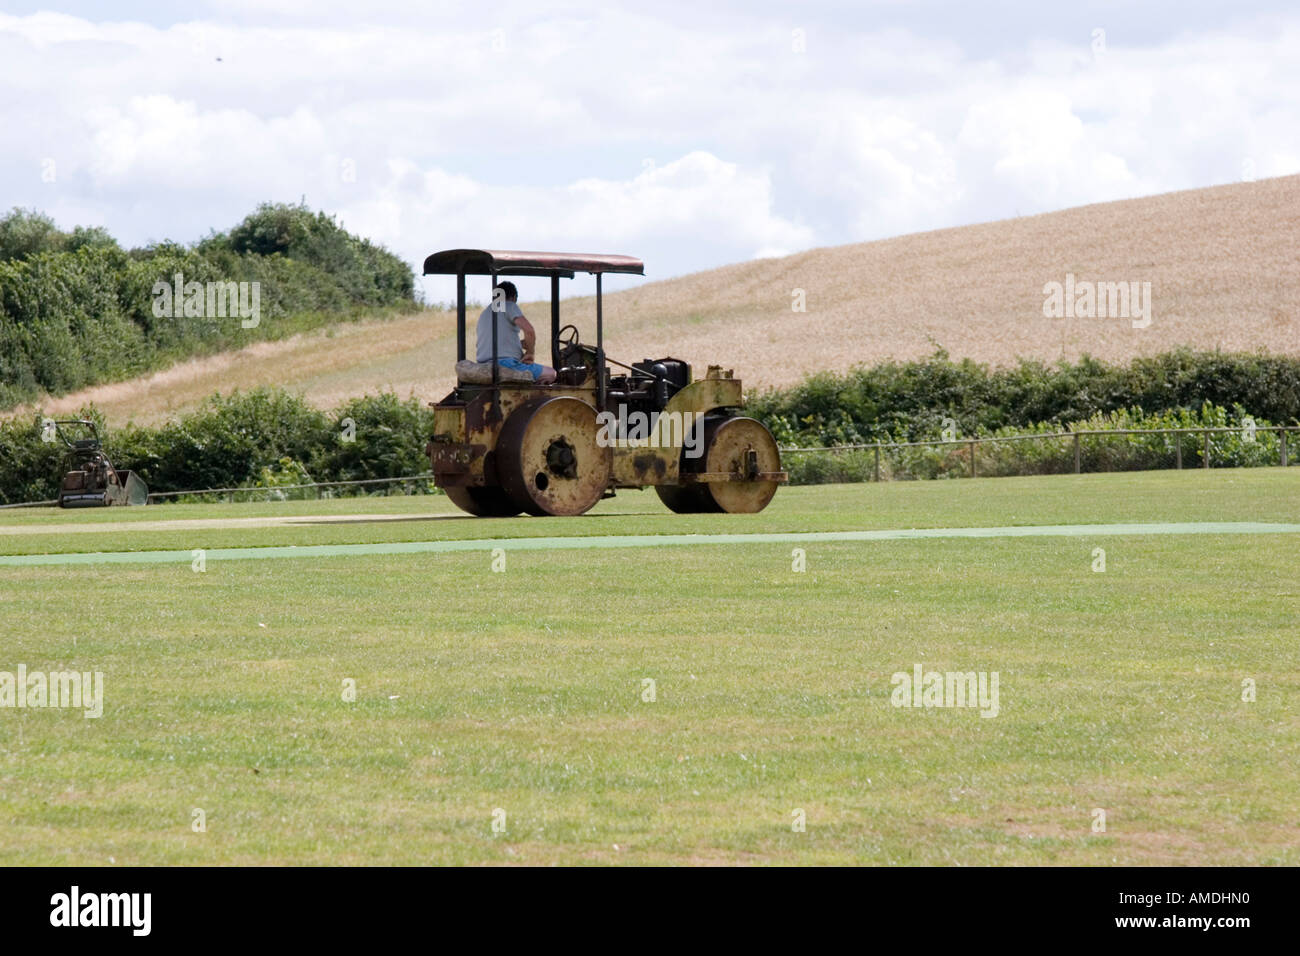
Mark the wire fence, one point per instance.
(1084, 450)
(257, 492)
(888, 460)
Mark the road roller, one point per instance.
(504, 444)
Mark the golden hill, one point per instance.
(1223, 265)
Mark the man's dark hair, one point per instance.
(512, 294)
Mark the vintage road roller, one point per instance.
(504, 444)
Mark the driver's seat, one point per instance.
(480, 373)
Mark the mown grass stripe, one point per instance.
(645, 541)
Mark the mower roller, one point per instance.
(91, 481)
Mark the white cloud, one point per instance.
(421, 134)
(1033, 143)
(697, 199)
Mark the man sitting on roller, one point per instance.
(510, 325)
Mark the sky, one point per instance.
(689, 134)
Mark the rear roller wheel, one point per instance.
(549, 460)
(483, 502)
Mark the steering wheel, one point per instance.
(571, 348)
(569, 341)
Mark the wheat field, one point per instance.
(1223, 264)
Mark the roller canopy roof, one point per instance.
(480, 262)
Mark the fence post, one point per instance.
(1283, 447)
(972, 459)
(1077, 455)
(1206, 454)
(1178, 449)
(878, 460)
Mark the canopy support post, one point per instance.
(460, 314)
(496, 368)
(555, 321)
(600, 348)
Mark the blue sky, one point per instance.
(690, 134)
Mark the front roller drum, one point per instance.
(687, 499)
(734, 449)
(738, 447)
(549, 460)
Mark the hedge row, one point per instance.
(77, 310)
(1244, 447)
(247, 439)
(270, 436)
(916, 401)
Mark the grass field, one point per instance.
(524, 691)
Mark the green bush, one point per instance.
(377, 436)
(30, 467)
(282, 481)
(77, 310)
(911, 400)
(366, 273)
(1239, 448)
(243, 440)
(257, 440)
(224, 443)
